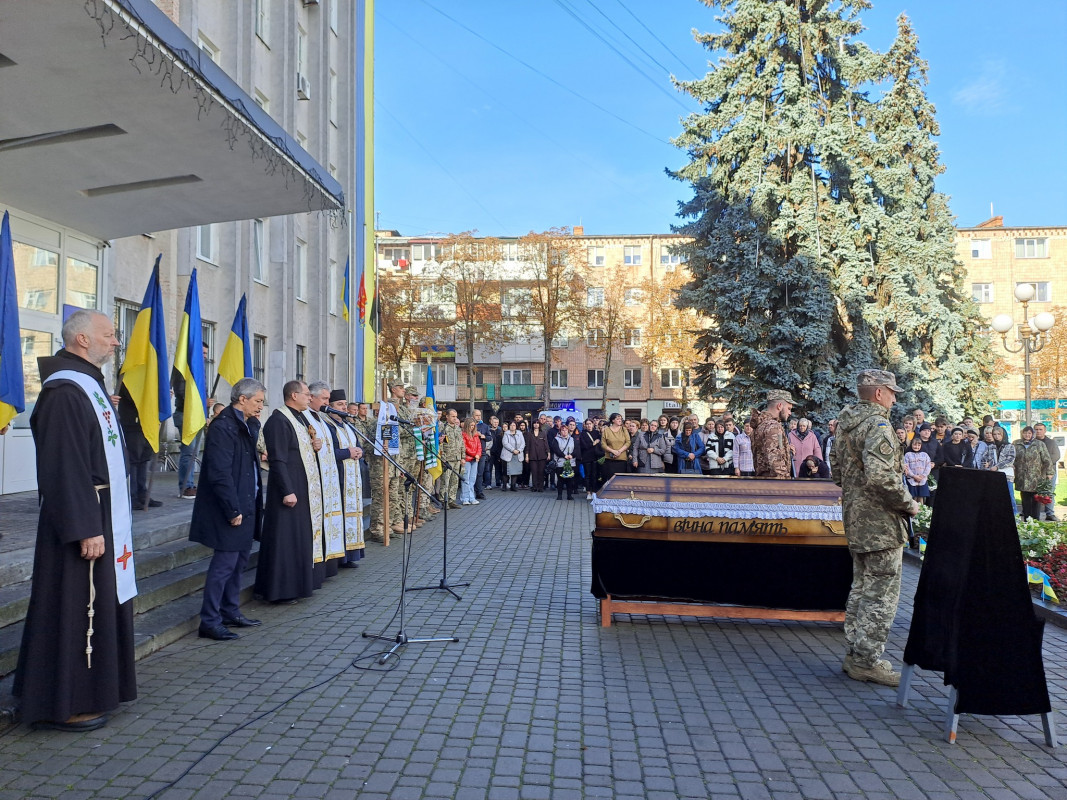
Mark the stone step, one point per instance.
(167, 599)
(150, 561)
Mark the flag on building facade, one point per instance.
(189, 363)
(236, 361)
(144, 370)
(344, 292)
(12, 381)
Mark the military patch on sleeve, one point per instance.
(881, 424)
(885, 449)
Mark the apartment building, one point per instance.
(998, 258)
(650, 353)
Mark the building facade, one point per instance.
(998, 258)
(627, 284)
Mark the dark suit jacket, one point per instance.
(229, 484)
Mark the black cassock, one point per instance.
(53, 679)
(284, 570)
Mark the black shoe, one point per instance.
(560, 497)
(241, 621)
(75, 727)
(479, 497)
(219, 633)
(349, 565)
(514, 489)
(570, 497)
(154, 503)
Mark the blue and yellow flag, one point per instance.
(189, 363)
(236, 361)
(430, 401)
(344, 292)
(12, 383)
(144, 371)
(1034, 575)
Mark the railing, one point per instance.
(515, 390)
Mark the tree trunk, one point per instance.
(546, 392)
(470, 374)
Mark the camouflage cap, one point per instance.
(411, 390)
(878, 377)
(775, 395)
(394, 383)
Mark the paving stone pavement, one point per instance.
(535, 701)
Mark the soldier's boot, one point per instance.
(881, 673)
(397, 527)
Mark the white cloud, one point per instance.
(987, 94)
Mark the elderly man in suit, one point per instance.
(226, 516)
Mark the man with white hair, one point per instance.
(76, 660)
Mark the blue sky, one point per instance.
(469, 138)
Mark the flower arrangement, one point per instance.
(1044, 493)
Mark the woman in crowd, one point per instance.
(956, 452)
(674, 430)
(537, 457)
(688, 448)
(720, 450)
(615, 442)
(472, 452)
(986, 440)
(524, 474)
(589, 439)
(513, 453)
(1033, 466)
(565, 451)
(814, 468)
(999, 456)
(804, 443)
(743, 463)
(647, 450)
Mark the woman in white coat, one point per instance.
(513, 453)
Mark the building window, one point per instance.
(400, 256)
(561, 340)
(259, 262)
(633, 297)
(37, 278)
(667, 258)
(80, 282)
(334, 4)
(981, 248)
(422, 252)
(670, 378)
(261, 100)
(594, 337)
(259, 358)
(631, 337)
(208, 48)
(205, 243)
(595, 378)
(631, 378)
(982, 292)
(559, 379)
(594, 297)
(301, 51)
(332, 370)
(511, 251)
(301, 271)
(333, 98)
(1031, 248)
(516, 377)
(631, 254)
(332, 290)
(479, 377)
(207, 335)
(263, 20)
(301, 362)
(444, 374)
(1042, 291)
(596, 256)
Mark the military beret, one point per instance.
(774, 395)
(338, 394)
(878, 377)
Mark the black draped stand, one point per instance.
(973, 617)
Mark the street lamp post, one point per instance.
(1031, 335)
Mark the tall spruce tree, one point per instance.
(803, 217)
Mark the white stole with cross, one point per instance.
(333, 513)
(353, 489)
(311, 469)
(119, 489)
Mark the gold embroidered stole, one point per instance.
(333, 520)
(311, 469)
(353, 488)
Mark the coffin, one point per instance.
(759, 543)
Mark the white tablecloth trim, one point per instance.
(653, 508)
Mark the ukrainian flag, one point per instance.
(189, 363)
(12, 383)
(344, 292)
(430, 401)
(1034, 575)
(236, 361)
(144, 371)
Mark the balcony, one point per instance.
(519, 390)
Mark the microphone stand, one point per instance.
(401, 638)
(443, 584)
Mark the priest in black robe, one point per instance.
(284, 572)
(56, 685)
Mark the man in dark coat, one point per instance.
(285, 566)
(226, 516)
(55, 681)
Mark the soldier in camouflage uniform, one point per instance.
(770, 449)
(367, 426)
(866, 462)
(451, 452)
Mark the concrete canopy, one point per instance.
(113, 122)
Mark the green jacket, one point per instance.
(1032, 465)
(866, 462)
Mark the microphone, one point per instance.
(404, 422)
(335, 412)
